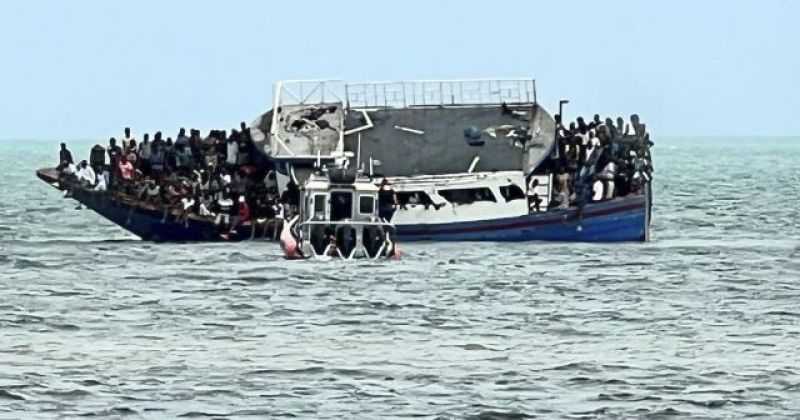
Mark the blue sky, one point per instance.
(84, 69)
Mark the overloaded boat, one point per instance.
(466, 160)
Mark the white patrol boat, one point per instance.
(337, 218)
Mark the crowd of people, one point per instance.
(219, 177)
(599, 160)
(222, 178)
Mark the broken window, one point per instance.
(468, 195)
(512, 192)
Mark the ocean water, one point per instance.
(703, 322)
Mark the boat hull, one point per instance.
(618, 220)
(622, 219)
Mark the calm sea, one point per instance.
(701, 322)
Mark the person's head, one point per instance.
(243, 126)
(557, 118)
(83, 164)
(169, 141)
(635, 119)
(127, 131)
(112, 142)
(572, 126)
(596, 119)
(133, 143)
(146, 138)
(620, 122)
(182, 132)
(157, 136)
(592, 134)
(536, 181)
(63, 146)
(581, 122)
(609, 122)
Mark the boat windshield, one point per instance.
(341, 205)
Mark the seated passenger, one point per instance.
(225, 205)
(333, 250)
(204, 209)
(86, 174)
(598, 190)
(102, 181)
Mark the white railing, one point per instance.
(307, 92)
(405, 94)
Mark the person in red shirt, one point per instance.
(243, 219)
(244, 212)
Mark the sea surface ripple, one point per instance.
(703, 322)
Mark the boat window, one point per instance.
(341, 205)
(366, 204)
(467, 195)
(413, 197)
(319, 206)
(512, 192)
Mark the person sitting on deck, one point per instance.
(242, 218)
(204, 208)
(332, 250)
(150, 192)
(86, 175)
(224, 205)
(64, 158)
(102, 181)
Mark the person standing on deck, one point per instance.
(145, 151)
(64, 158)
(387, 201)
(127, 139)
(114, 153)
(232, 151)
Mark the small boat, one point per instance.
(337, 218)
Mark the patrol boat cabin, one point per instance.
(338, 218)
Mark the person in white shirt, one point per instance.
(102, 182)
(86, 174)
(126, 140)
(232, 152)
